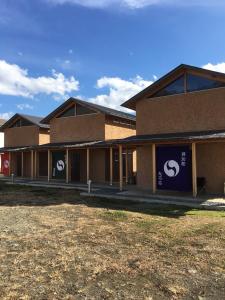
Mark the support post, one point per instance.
(126, 166)
(35, 164)
(121, 166)
(111, 166)
(194, 170)
(22, 164)
(153, 168)
(10, 163)
(49, 165)
(32, 164)
(67, 165)
(88, 164)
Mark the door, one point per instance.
(75, 166)
(18, 164)
(43, 164)
(58, 165)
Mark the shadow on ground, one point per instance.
(16, 195)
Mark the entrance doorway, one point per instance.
(75, 166)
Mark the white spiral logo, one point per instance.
(60, 165)
(6, 164)
(171, 168)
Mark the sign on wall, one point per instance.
(5, 164)
(58, 165)
(174, 168)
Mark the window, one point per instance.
(21, 123)
(176, 87)
(16, 124)
(69, 112)
(25, 123)
(197, 83)
(82, 110)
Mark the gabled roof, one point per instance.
(95, 107)
(33, 119)
(168, 78)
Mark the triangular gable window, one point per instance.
(82, 110)
(21, 123)
(69, 112)
(176, 87)
(197, 83)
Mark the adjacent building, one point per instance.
(181, 132)
(21, 134)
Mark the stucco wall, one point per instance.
(21, 136)
(79, 128)
(144, 167)
(1, 139)
(195, 111)
(44, 137)
(117, 132)
(211, 165)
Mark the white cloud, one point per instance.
(16, 81)
(23, 106)
(220, 67)
(120, 90)
(6, 115)
(135, 4)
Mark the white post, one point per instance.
(88, 165)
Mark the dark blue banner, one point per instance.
(174, 168)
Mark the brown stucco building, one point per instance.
(21, 133)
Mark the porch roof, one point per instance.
(132, 140)
(174, 137)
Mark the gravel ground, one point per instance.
(56, 245)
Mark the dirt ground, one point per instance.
(56, 245)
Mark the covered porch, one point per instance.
(99, 162)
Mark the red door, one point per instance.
(5, 164)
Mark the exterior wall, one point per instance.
(97, 165)
(144, 167)
(211, 165)
(21, 136)
(77, 128)
(196, 111)
(1, 139)
(118, 128)
(44, 137)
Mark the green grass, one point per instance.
(117, 215)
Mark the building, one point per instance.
(76, 151)
(78, 132)
(180, 136)
(176, 143)
(21, 134)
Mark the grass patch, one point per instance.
(117, 215)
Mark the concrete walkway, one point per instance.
(130, 194)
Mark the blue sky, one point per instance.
(103, 51)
